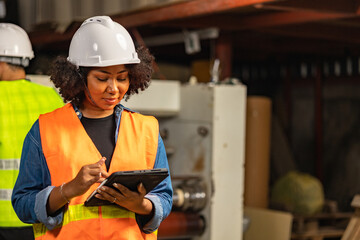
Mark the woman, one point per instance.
(69, 151)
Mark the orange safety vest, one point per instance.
(67, 148)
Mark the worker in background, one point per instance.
(74, 148)
(21, 103)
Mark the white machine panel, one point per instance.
(161, 98)
(208, 138)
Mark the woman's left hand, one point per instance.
(124, 197)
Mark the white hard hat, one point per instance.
(15, 45)
(101, 42)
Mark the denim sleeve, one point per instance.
(32, 187)
(160, 196)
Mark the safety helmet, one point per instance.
(101, 42)
(15, 45)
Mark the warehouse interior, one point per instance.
(284, 75)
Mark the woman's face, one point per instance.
(107, 86)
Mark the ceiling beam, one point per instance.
(182, 10)
(348, 6)
(263, 20)
(40, 38)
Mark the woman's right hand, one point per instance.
(86, 177)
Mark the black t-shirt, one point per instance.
(102, 133)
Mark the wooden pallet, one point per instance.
(352, 231)
(320, 227)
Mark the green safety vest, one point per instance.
(21, 103)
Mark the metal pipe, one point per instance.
(190, 195)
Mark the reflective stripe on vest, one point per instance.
(21, 103)
(9, 164)
(65, 143)
(5, 194)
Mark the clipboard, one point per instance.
(150, 178)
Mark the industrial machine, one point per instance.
(203, 128)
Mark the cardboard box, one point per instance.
(267, 224)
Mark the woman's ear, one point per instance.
(83, 73)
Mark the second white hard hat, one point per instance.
(101, 42)
(15, 45)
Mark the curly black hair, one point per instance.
(70, 80)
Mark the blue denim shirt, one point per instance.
(33, 185)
